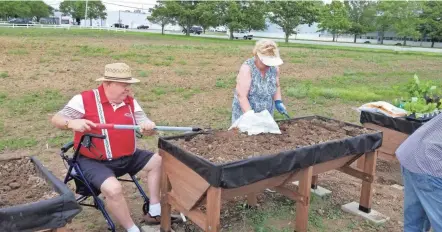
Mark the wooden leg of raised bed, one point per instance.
(305, 183)
(360, 163)
(165, 205)
(367, 188)
(213, 209)
(315, 182)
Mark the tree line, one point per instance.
(408, 19)
(25, 9)
(39, 9)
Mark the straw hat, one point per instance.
(118, 72)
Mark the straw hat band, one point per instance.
(117, 78)
(117, 72)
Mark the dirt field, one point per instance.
(189, 82)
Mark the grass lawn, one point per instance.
(189, 81)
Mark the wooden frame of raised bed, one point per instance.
(189, 181)
(395, 132)
(391, 141)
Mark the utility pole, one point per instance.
(119, 20)
(85, 15)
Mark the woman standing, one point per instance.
(257, 83)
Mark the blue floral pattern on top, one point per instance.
(261, 91)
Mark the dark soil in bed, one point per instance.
(226, 146)
(20, 183)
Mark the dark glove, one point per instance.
(280, 107)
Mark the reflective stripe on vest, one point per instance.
(107, 146)
(135, 133)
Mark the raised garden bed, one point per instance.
(229, 159)
(401, 125)
(202, 169)
(32, 198)
(395, 131)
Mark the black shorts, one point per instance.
(97, 171)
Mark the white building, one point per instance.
(130, 18)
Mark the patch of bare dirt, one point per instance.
(388, 172)
(386, 199)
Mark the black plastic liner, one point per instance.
(398, 124)
(45, 214)
(424, 118)
(247, 171)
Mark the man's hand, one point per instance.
(147, 128)
(280, 107)
(81, 125)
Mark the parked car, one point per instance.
(195, 30)
(120, 25)
(143, 27)
(220, 29)
(241, 34)
(21, 22)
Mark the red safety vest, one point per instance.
(118, 143)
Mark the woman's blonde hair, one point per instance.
(266, 47)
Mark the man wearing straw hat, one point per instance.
(116, 155)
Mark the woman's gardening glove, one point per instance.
(280, 107)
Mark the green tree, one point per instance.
(25, 9)
(385, 18)
(96, 10)
(236, 15)
(361, 15)
(206, 15)
(39, 9)
(334, 18)
(431, 21)
(76, 9)
(229, 14)
(406, 19)
(185, 13)
(161, 15)
(14, 9)
(289, 15)
(254, 15)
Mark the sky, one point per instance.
(115, 5)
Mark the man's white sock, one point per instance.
(155, 209)
(134, 228)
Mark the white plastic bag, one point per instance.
(256, 123)
(384, 108)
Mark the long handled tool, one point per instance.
(135, 127)
(287, 115)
